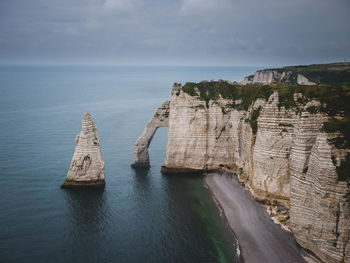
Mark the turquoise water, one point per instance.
(141, 216)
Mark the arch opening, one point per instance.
(159, 119)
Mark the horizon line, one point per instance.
(126, 65)
(263, 66)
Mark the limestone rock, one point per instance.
(201, 138)
(288, 162)
(320, 203)
(159, 119)
(273, 142)
(87, 165)
(268, 76)
(302, 80)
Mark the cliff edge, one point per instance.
(334, 73)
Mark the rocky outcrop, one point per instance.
(286, 159)
(269, 76)
(302, 80)
(270, 177)
(159, 119)
(320, 203)
(200, 137)
(87, 165)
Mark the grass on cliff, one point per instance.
(334, 73)
(335, 98)
(253, 120)
(335, 101)
(214, 89)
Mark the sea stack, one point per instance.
(87, 165)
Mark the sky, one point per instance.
(174, 32)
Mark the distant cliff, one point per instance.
(288, 143)
(335, 73)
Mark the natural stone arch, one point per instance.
(159, 119)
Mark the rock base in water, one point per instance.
(140, 165)
(83, 184)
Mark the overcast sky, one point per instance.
(175, 32)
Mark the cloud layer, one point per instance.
(175, 32)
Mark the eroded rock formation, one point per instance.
(320, 203)
(87, 165)
(284, 157)
(159, 119)
(201, 137)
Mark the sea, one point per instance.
(141, 215)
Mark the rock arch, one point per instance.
(159, 119)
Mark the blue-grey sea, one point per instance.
(140, 216)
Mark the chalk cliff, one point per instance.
(269, 76)
(334, 73)
(87, 165)
(201, 138)
(280, 142)
(320, 203)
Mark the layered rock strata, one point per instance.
(287, 161)
(87, 165)
(320, 203)
(201, 138)
(159, 119)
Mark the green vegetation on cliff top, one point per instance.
(334, 73)
(335, 97)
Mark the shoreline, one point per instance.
(259, 238)
(222, 214)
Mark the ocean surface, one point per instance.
(141, 216)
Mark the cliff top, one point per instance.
(338, 66)
(335, 96)
(333, 73)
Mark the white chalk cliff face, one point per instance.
(287, 160)
(320, 202)
(200, 138)
(269, 76)
(87, 165)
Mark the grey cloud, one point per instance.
(226, 32)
